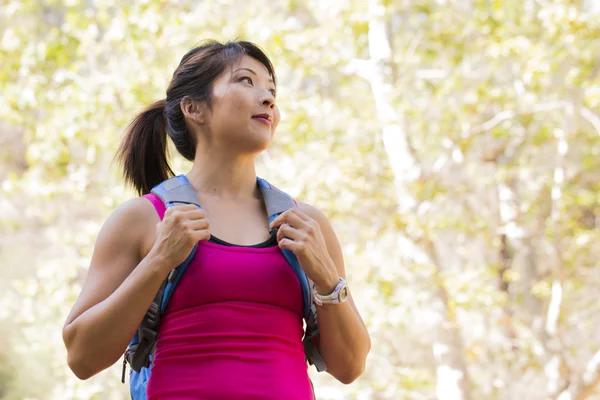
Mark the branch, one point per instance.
(510, 114)
(495, 121)
(592, 118)
(586, 385)
(557, 369)
(591, 378)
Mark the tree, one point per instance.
(454, 146)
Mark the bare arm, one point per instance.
(345, 341)
(117, 292)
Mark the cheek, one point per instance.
(227, 103)
(276, 117)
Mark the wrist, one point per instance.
(158, 264)
(338, 295)
(326, 284)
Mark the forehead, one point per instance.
(246, 62)
(222, 84)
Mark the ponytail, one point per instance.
(143, 150)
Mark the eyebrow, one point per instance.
(251, 71)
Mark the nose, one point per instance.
(267, 99)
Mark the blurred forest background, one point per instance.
(454, 144)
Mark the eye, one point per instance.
(273, 92)
(247, 79)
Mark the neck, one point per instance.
(224, 175)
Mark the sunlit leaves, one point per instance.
(482, 88)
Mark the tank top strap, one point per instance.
(157, 203)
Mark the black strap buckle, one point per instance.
(152, 315)
(147, 336)
(140, 355)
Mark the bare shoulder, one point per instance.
(125, 238)
(133, 221)
(136, 208)
(313, 213)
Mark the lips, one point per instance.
(264, 118)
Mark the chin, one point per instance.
(256, 142)
(254, 147)
(263, 146)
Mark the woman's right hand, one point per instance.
(177, 234)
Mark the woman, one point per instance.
(233, 328)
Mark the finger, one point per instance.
(290, 218)
(181, 216)
(179, 210)
(281, 218)
(203, 234)
(196, 213)
(289, 245)
(181, 207)
(300, 214)
(286, 231)
(276, 222)
(296, 221)
(198, 224)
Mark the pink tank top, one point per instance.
(232, 329)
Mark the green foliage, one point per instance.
(482, 89)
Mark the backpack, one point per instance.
(139, 352)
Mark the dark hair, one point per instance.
(143, 150)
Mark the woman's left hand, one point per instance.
(302, 235)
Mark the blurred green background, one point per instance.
(453, 144)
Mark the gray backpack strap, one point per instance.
(176, 190)
(173, 191)
(276, 201)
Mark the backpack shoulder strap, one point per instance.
(174, 191)
(276, 202)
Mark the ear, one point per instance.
(193, 109)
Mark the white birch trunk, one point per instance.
(451, 372)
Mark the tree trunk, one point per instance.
(452, 379)
(561, 384)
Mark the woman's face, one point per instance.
(243, 113)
